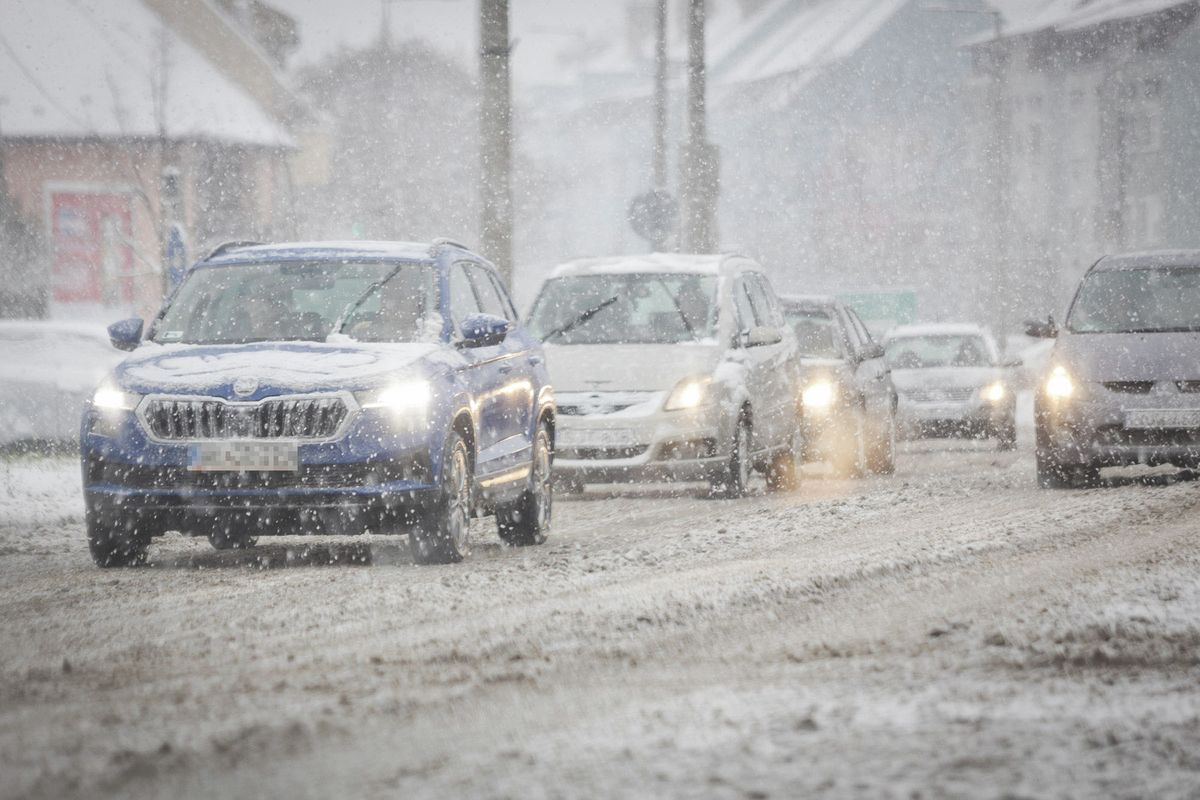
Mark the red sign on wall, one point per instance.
(93, 262)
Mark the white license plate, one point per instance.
(243, 457)
(1165, 418)
(602, 437)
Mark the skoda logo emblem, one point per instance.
(245, 386)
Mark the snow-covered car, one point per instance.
(1123, 382)
(670, 367)
(337, 387)
(48, 369)
(847, 398)
(952, 382)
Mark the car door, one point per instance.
(871, 375)
(780, 373)
(515, 387)
(756, 361)
(482, 373)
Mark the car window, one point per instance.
(463, 302)
(510, 310)
(490, 299)
(818, 332)
(948, 350)
(860, 330)
(765, 307)
(747, 318)
(1138, 301)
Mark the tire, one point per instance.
(852, 462)
(442, 533)
(1005, 434)
(734, 478)
(882, 460)
(527, 521)
(1054, 474)
(115, 540)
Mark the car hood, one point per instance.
(944, 377)
(275, 368)
(627, 367)
(1129, 356)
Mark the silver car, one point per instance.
(952, 382)
(1123, 383)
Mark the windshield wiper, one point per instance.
(582, 318)
(340, 322)
(679, 310)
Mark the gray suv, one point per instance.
(1123, 385)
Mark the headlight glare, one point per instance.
(407, 397)
(688, 393)
(1059, 385)
(994, 392)
(819, 395)
(109, 398)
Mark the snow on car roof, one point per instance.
(1150, 258)
(808, 299)
(294, 251)
(937, 329)
(707, 264)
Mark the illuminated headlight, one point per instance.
(688, 393)
(819, 396)
(1059, 385)
(408, 399)
(994, 392)
(110, 398)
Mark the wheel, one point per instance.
(850, 460)
(115, 540)
(1054, 474)
(226, 535)
(441, 535)
(1005, 434)
(882, 460)
(734, 477)
(783, 474)
(527, 521)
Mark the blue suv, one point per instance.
(334, 387)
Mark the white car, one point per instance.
(48, 371)
(670, 367)
(952, 382)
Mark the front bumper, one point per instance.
(974, 416)
(1095, 429)
(643, 443)
(371, 471)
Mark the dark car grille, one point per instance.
(1116, 435)
(273, 418)
(1129, 387)
(601, 453)
(950, 394)
(414, 467)
(1188, 387)
(574, 410)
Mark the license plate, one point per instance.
(243, 457)
(604, 437)
(1167, 418)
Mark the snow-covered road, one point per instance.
(951, 630)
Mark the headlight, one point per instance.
(994, 392)
(409, 398)
(688, 393)
(110, 398)
(819, 395)
(1059, 385)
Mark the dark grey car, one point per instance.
(1123, 384)
(848, 402)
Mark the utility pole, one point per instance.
(700, 159)
(660, 96)
(495, 133)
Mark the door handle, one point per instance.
(536, 360)
(505, 369)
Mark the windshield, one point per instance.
(1138, 301)
(626, 309)
(381, 302)
(816, 332)
(921, 352)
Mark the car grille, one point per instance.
(953, 394)
(1188, 387)
(1119, 436)
(572, 410)
(1129, 387)
(414, 467)
(600, 453)
(273, 418)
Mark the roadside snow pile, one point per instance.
(41, 506)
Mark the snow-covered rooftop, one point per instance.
(1030, 16)
(643, 263)
(409, 251)
(937, 329)
(93, 68)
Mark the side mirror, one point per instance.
(871, 351)
(761, 335)
(1013, 362)
(483, 330)
(1037, 329)
(126, 334)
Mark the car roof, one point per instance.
(938, 329)
(303, 251)
(1149, 259)
(809, 300)
(704, 264)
